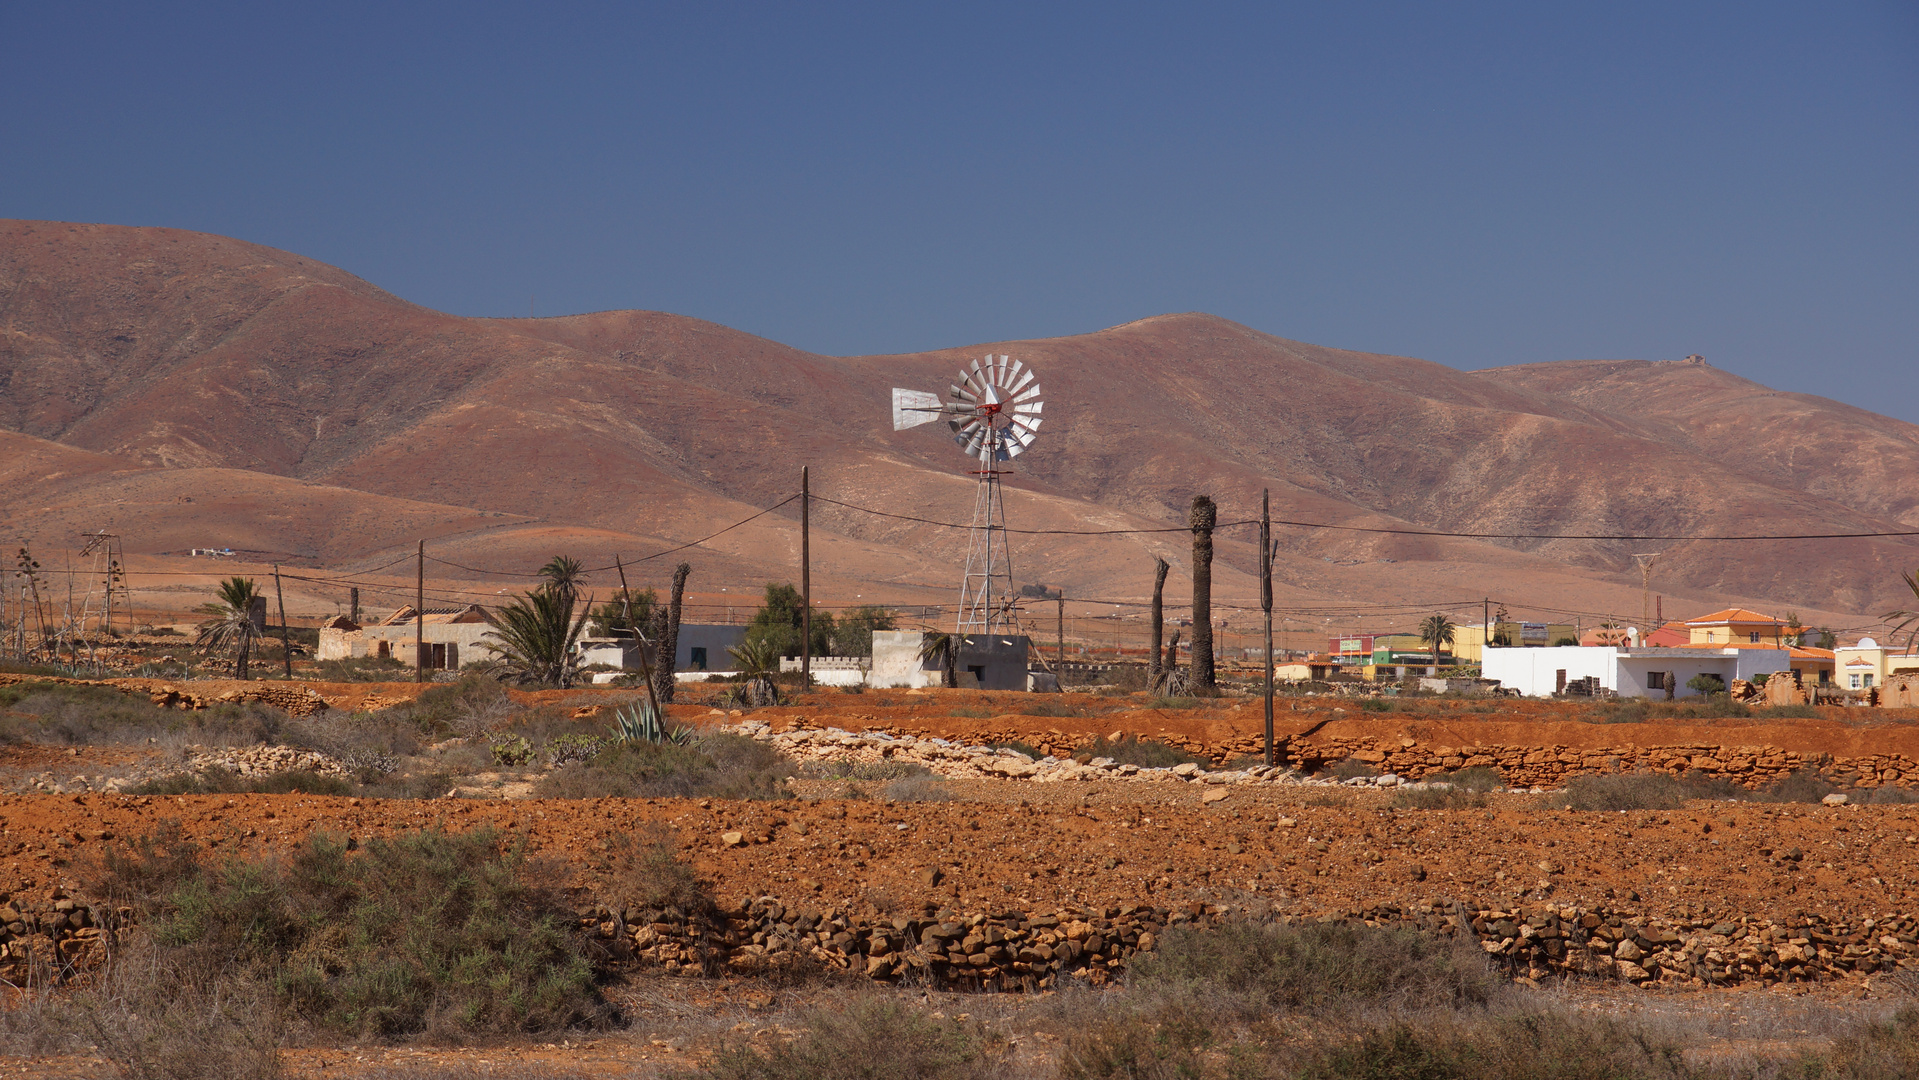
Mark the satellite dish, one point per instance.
(994, 411)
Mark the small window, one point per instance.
(698, 658)
(1755, 637)
(1855, 682)
(1868, 682)
(1655, 680)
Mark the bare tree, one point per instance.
(1153, 668)
(669, 638)
(1204, 516)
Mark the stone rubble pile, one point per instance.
(262, 760)
(957, 761)
(1403, 761)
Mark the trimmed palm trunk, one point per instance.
(1204, 516)
(669, 639)
(1155, 670)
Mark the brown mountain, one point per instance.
(162, 364)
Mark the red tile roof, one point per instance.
(1733, 615)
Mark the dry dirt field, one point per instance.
(1752, 922)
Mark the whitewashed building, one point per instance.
(1650, 672)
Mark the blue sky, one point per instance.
(1473, 183)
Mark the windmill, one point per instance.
(994, 414)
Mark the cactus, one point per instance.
(642, 722)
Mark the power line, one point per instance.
(1027, 532)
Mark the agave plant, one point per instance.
(641, 722)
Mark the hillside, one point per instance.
(172, 363)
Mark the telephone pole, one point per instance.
(1645, 560)
(806, 580)
(286, 642)
(1266, 605)
(419, 615)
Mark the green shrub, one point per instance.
(218, 781)
(427, 931)
(1879, 1050)
(1438, 799)
(863, 770)
(363, 669)
(1373, 704)
(1259, 967)
(867, 1038)
(1624, 791)
(1133, 750)
(720, 765)
(644, 869)
(1352, 769)
(1529, 1046)
(1169, 1043)
(1476, 778)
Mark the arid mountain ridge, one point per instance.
(309, 414)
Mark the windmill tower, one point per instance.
(994, 414)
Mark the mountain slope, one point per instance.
(179, 351)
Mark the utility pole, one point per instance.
(1486, 630)
(419, 615)
(1060, 629)
(286, 642)
(1266, 605)
(1645, 560)
(806, 580)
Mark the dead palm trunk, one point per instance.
(1154, 669)
(669, 639)
(1204, 516)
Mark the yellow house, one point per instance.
(1869, 664)
(1738, 626)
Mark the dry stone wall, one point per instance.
(1013, 951)
(1399, 760)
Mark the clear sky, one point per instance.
(1474, 183)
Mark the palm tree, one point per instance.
(758, 659)
(1437, 630)
(564, 574)
(942, 649)
(1908, 620)
(538, 636)
(229, 622)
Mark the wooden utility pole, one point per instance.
(806, 581)
(1156, 668)
(419, 615)
(1060, 630)
(1645, 561)
(1266, 605)
(286, 643)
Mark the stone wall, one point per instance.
(1037, 951)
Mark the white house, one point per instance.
(1649, 672)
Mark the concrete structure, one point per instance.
(624, 653)
(1469, 640)
(1651, 672)
(986, 661)
(832, 670)
(1866, 664)
(702, 647)
(453, 637)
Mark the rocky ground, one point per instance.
(1049, 869)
